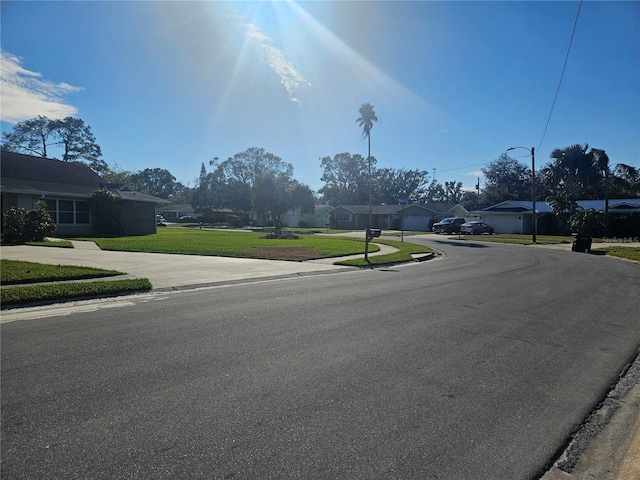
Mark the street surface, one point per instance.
(478, 365)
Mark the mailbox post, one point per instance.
(371, 233)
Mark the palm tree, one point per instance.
(573, 170)
(365, 120)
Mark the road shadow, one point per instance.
(462, 243)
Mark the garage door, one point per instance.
(417, 223)
(504, 223)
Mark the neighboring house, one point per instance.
(407, 217)
(172, 213)
(318, 219)
(515, 216)
(67, 188)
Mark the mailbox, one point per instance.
(373, 232)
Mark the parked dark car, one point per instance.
(187, 219)
(476, 228)
(448, 225)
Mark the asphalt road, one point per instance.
(479, 365)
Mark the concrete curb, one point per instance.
(607, 445)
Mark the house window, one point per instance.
(343, 217)
(68, 212)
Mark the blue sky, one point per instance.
(174, 84)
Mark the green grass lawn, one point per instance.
(54, 292)
(14, 272)
(404, 254)
(235, 244)
(630, 253)
(54, 288)
(516, 238)
(52, 243)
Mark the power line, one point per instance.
(566, 58)
(460, 168)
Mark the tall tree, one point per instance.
(231, 183)
(76, 140)
(572, 170)
(302, 197)
(247, 166)
(397, 184)
(271, 195)
(201, 196)
(71, 135)
(471, 201)
(181, 195)
(625, 182)
(30, 137)
(116, 174)
(275, 194)
(365, 121)
(600, 162)
(435, 193)
(506, 179)
(154, 181)
(453, 191)
(345, 179)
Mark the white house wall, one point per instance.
(504, 223)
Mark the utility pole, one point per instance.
(533, 192)
(534, 215)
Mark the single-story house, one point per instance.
(406, 217)
(318, 219)
(67, 187)
(515, 216)
(172, 213)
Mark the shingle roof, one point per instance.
(43, 176)
(628, 204)
(27, 174)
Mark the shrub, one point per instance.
(587, 222)
(282, 236)
(22, 225)
(106, 212)
(303, 224)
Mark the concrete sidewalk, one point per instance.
(171, 271)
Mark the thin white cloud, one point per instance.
(290, 77)
(25, 94)
(477, 173)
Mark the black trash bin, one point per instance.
(581, 243)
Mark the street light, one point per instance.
(533, 186)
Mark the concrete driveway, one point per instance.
(168, 271)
